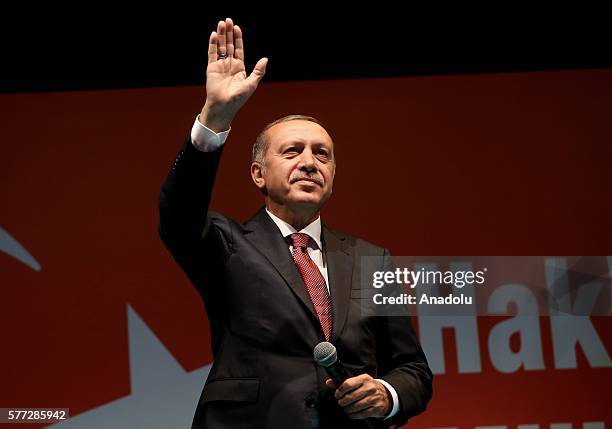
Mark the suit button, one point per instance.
(311, 402)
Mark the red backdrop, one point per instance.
(492, 164)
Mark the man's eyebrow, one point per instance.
(301, 142)
(292, 142)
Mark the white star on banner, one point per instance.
(163, 395)
(12, 247)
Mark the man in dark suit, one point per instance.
(277, 285)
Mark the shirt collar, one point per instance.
(313, 229)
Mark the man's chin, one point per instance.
(306, 199)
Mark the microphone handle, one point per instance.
(337, 373)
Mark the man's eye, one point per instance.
(290, 150)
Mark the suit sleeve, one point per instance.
(185, 226)
(401, 361)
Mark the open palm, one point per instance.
(227, 85)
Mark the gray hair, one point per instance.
(262, 141)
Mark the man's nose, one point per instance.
(307, 161)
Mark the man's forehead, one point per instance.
(298, 129)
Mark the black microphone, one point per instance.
(326, 355)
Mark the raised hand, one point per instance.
(227, 85)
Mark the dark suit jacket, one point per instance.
(263, 324)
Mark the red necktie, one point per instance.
(315, 283)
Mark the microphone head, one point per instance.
(325, 354)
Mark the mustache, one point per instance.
(301, 176)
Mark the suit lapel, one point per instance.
(263, 233)
(339, 271)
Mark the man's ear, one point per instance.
(257, 175)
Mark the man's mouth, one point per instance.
(307, 179)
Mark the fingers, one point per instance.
(221, 39)
(367, 407)
(362, 397)
(212, 47)
(229, 42)
(258, 72)
(226, 37)
(361, 409)
(355, 396)
(351, 384)
(229, 37)
(238, 43)
(364, 413)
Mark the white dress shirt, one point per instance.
(314, 246)
(206, 140)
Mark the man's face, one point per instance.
(300, 164)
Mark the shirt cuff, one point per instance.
(206, 140)
(394, 396)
